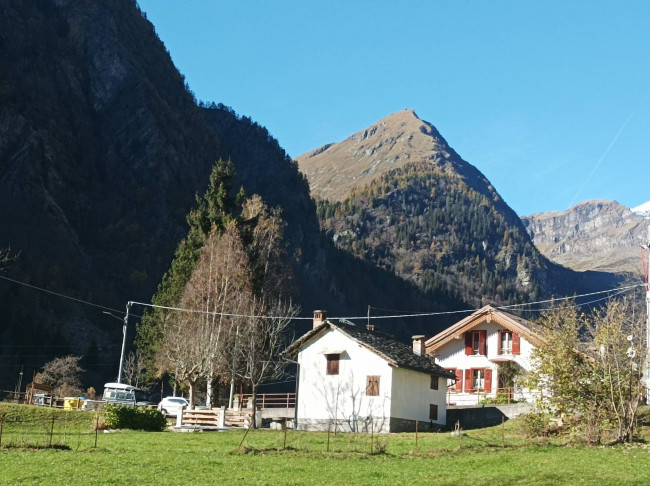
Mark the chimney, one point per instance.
(319, 317)
(418, 345)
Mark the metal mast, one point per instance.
(646, 255)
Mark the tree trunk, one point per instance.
(191, 397)
(208, 393)
(254, 408)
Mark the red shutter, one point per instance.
(488, 380)
(459, 380)
(482, 343)
(468, 381)
(468, 343)
(515, 343)
(499, 337)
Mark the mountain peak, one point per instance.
(400, 138)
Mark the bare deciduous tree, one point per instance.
(134, 367)
(64, 374)
(263, 340)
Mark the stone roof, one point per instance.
(386, 346)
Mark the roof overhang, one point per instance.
(487, 314)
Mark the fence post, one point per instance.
(417, 423)
(329, 427)
(285, 434)
(503, 433)
(96, 429)
(52, 431)
(2, 421)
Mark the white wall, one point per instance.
(412, 395)
(452, 355)
(341, 398)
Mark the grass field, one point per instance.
(129, 457)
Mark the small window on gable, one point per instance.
(434, 382)
(506, 342)
(333, 363)
(433, 411)
(372, 386)
(476, 342)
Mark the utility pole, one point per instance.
(646, 255)
(126, 322)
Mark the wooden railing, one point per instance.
(503, 395)
(269, 400)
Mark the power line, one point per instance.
(388, 316)
(618, 291)
(81, 301)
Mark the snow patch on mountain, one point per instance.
(643, 210)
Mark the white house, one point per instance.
(353, 378)
(483, 351)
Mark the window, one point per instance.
(433, 411)
(372, 386)
(509, 342)
(333, 363)
(478, 379)
(506, 342)
(476, 343)
(434, 382)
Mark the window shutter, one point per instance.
(333, 364)
(488, 380)
(500, 337)
(468, 381)
(434, 382)
(482, 343)
(433, 411)
(459, 380)
(515, 343)
(372, 386)
(468, 343)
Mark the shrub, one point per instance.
(535, 424)
(136, 418)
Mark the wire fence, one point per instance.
(59, 431)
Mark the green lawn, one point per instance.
(129, 457)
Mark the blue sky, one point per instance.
(550, 100)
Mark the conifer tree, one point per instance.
(213, 212)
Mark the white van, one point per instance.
(121, 394)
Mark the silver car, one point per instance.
(170, 406)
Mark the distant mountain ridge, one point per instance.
(592, 235)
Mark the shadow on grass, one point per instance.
(28, 447)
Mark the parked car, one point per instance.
(170, 406)
(121, 394)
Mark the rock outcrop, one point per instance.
(592, 235)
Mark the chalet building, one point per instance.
(485, 352)
(354, 378)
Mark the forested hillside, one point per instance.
(397, 196)
(103, 149)
(432, 228)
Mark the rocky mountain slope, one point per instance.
(592, 235)
(396, 195)
(102, 150)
